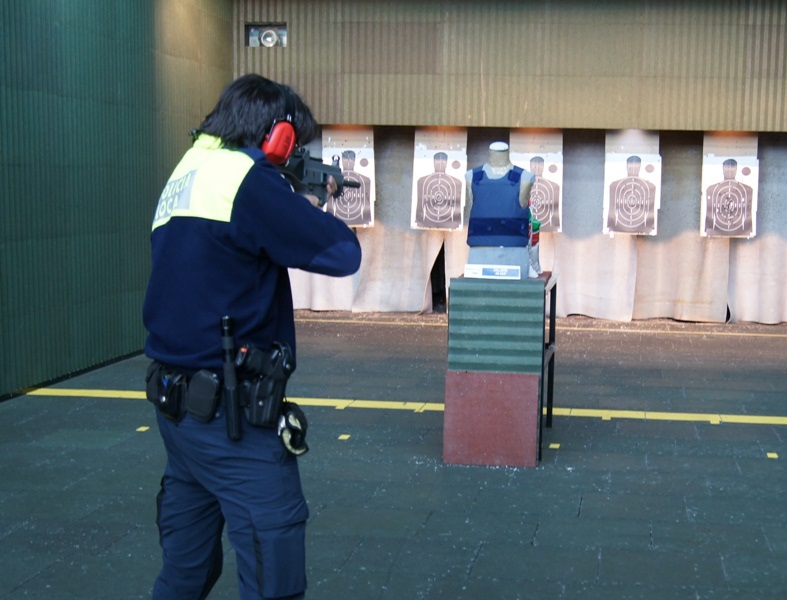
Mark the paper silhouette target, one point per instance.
(439, 197)
(352, 206)
(545, 193)
(438, 191)
(632, 203)
(729, 207)
(355, 206)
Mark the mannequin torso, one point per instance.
(497, 247)
(498, 165)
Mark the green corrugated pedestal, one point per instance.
(495, 364)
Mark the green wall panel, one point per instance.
(96, 100)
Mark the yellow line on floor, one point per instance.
(677, 332)
(375, 322)
(419, 407)
(86, 393)
(647, 415)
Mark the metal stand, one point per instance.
(548, 362)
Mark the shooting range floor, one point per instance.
(663, 476)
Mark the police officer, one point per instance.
(226, 229)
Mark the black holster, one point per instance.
(264, 382)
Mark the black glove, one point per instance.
(292, 428)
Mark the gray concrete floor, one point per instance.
(662, 477)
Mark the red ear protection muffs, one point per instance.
(280, 140)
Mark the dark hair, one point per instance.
(248, 107)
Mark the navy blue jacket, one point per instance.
(226, 229)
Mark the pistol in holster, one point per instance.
(263, 385)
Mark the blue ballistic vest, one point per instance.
(497, 218)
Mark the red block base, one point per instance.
(491, 419)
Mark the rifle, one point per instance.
(310, 175)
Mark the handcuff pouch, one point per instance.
(202, 395)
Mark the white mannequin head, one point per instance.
(498, 156)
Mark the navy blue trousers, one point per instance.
(253, 485)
